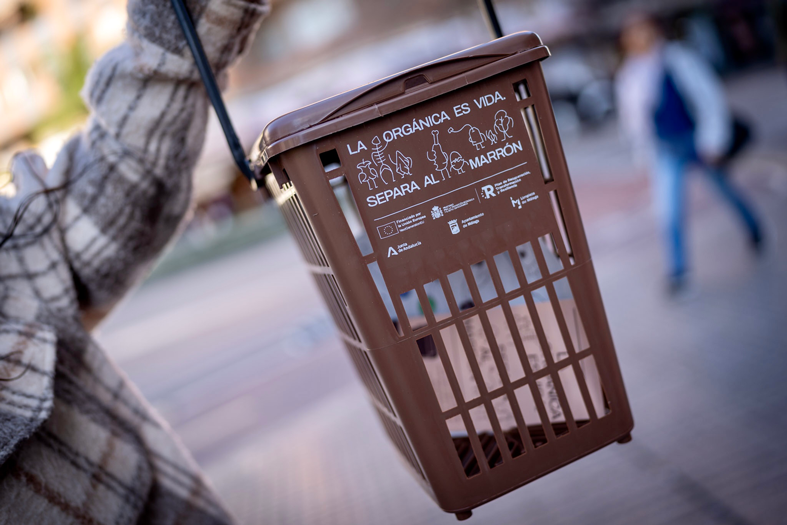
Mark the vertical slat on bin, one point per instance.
(521, 353)
(587, 293)
(467, 348)
(547, 284)
(557, 159)
(570, 349)
(461, 407)
(501, 369)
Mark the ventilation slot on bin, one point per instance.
(330, 160)
(537, 141)
(561, 223)
(486, 438)
(396, 434)
(369, 376)
(300, 215)
(464, 448)
(336, 304)
(349, 208)
(521, 91)
(295, 217)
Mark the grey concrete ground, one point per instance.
(241, 358)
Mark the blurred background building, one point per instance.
(247, 368)
(311, 49)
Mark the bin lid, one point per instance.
(389, 94)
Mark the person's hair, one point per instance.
(53, 196)
(22, 209)
(643, 16)
(10, 358)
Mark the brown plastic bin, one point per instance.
(458, 188)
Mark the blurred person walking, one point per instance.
(78, 443)
(672, 108)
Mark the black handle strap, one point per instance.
(214, 94)
(491, 17)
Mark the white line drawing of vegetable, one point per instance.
(503, 123)
(402, 163)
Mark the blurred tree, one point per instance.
(70, 67)
(12, 14)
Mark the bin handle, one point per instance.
(488, 8)
(374, 95)
(213, 91)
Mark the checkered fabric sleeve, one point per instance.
(130, 170)
(78, 443)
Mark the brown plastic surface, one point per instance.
(498, 204)
(323, 118)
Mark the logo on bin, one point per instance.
(454, 226)
(387, 230)
(488, 191)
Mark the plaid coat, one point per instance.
(78, 443)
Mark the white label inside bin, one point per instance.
(512, 363)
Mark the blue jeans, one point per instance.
(672, 163)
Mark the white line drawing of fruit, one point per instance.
(402, 163)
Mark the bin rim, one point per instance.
(359, 105)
